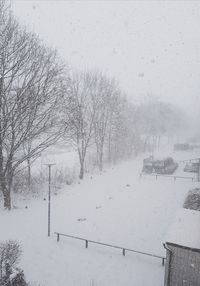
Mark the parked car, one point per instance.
(165, 166)
(191, 167)
(148, 165)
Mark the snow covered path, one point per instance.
(116, 207)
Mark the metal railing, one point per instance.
(124, 249)
(189, 160)
(167, 176)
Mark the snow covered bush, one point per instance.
(192, 200)
(21, 184)
(38, 183)
(17, 278)
(64, 176)
(10, 252)
(10, 274)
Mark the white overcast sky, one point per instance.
(151, 47)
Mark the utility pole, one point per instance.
(49, 199)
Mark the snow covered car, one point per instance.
(147, 165)
(164, 166)
(191, 167)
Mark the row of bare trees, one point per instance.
(99, 117)
(41, 102)
(159, 120)
(30, 83)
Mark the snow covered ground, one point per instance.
(117, 207)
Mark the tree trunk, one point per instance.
(6, 191)
(29, 174)
(6, 184)
(100, 158)
(109, 145)
(9, 179)
(101, 162)
(159, 140)
(7, 199)
(81, 175)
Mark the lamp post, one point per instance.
(49, 198)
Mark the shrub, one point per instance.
(60, 177)
(64, 176)
(10, 253)
(192, 201)
(20, 182)
(18, 279)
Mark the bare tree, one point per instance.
(123, 136)
(116, 130)
(159, 119)
(98, 114)
(80, 113)
(30, 83)
(103, 103)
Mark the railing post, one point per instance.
(123, 251)
(58, 237)
(86, 243)
(163, 261)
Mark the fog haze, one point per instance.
(150, 47)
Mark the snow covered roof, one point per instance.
(185, 230)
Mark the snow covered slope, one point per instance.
(116, 207)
